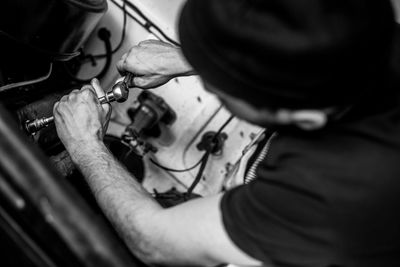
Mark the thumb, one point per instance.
(100, 93)
(140, 81)
(121, 64)
(96, 86)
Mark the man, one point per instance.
(328, 192)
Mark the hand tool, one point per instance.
(118, 93)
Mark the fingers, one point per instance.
(100, 93)
(55, 108)
(59, 107)
(121, 65)
(130, 61)
(154, 42)
(140, 82)
(150, 42)
(153, 62)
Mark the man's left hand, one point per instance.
(80, 118)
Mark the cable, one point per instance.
(107, 55)
(104, 35)
(123, 35)
(147, 26)
(204, 159)
(174, 170)
(8, 87)
(223, 127)
(199, 175)
(201, 159)
(149, 23)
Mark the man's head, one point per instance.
(292, 55)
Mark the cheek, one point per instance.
(263, 119)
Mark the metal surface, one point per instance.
(119, 92)
(197, 111)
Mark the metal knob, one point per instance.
(118, 93)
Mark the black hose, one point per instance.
(105, 36)
(148, 24)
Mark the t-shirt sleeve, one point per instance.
(275, 220)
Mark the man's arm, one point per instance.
(189, 234)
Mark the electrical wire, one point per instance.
(201, 159)
(10, 86)
(123, 35)
(175, 170)
(203, 162)
(104, 35)
(205, 158)
(108, 54)
(199, 174)
(223, 127)
(149, 23)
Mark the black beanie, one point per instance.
(289, 53)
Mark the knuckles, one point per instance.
(64, 99)
(75, 97)
(55, 108)
(86, 92)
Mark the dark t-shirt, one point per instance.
(327, 198)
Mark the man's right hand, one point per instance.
(154, 63)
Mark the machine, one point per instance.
(180, 143)
(44, 220)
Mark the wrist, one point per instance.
(82, 150)
(178, 65)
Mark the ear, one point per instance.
(309, 120)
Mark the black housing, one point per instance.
(57, 28)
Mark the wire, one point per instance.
(147, 26)
(104, 35)
(199, 175)
(202, 158)
(149, 23)
(123, 35)
(205, 159)
(203, 162)
(175, 170)
(8, 87)
(223, 127)
(107, 55)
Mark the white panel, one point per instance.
(198, 111)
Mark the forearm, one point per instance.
(124, 201)
(191, 234)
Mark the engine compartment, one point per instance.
(51, 47)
